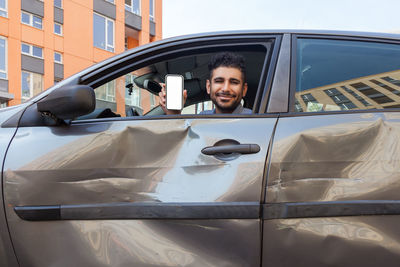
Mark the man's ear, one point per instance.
(208, 86)
(244, 89)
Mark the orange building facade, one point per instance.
(45, 41)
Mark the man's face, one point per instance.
(226, 88)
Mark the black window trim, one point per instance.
(270, 67)
(277, 98)
(174, 117)
(208, 210)
(292, 82)
(154, 54)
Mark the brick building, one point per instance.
(45, 41)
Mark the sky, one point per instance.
(182, 17)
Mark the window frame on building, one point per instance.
(107, 46)
(56, 60)
(31, 50)
(4, 10)
(31, 20)
(55, 2)
(132, 99)
(107, 92)
(152, 16)
(60, 27)
(130, 7)
(32, 75)
(5, 71)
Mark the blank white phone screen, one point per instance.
(174, 92)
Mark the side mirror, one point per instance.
(68, 102)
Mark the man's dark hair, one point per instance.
(227, 59)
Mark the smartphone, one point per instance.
(174, 90)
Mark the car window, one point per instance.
(199, 107)
(128, 96)
(334, 75)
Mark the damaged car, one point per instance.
(95, 174)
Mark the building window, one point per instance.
(297, 106)
(103, 32)
(57, 57)
(3, 105)
(153, 101)
(58, 3)
(340, 100)
(31, 84)
(356, 96)
(31, 20)
(3, 58)
(3, 8)
(133, 6)
(31, 50)
(106, 92)
(151, 10)
(371, 93)
(57, 28)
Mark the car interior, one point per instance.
(194, 69)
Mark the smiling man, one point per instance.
(226, 85)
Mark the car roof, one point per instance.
(360, 34)
(382, 35)
(130, 52)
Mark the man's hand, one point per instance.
(163, 96)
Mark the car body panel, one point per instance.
(7, 255)
(334, 159)
(75, 162)
(139, 243)
(336, 241)
(137, 161)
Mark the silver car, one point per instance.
(94, 174)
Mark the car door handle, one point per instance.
(230, 149)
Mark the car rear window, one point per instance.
(336, 75)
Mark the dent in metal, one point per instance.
(136, 161)
(344, 241)
(336, 157)
(280, 87)
(7, 255)
(140, 243)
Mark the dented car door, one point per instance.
(332, 192)
(100, 195)
(142, 191)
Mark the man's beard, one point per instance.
(223, 108)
